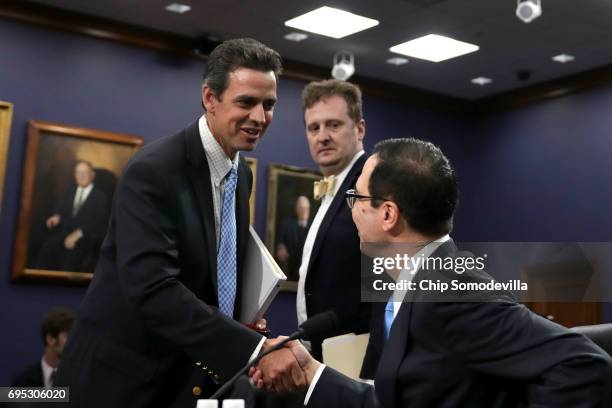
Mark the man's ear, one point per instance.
(209, 100)
(391, 215)
(361, 127)
(50, 340)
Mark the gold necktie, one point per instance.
(325, 186)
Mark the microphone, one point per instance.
(319, 325)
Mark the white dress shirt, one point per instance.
(312, 235)
(219, 165)
(82, 193)
(47, 370)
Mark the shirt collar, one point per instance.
(340, 177)
(408, 275)
(86, 190)
(218, 162)
(46, 369)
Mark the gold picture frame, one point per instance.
(6, 116)
(285, 185)
(48, 247)
(252, 162)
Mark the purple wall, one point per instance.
(538, 173)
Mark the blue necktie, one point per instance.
(226, 257)
(388, 317)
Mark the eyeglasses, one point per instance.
(352, 196)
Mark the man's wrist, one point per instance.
(311, 370)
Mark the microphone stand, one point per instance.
(225, 387)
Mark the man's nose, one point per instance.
(258, 114)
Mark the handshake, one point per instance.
(288, 369)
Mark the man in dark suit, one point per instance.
(54, 330)
(291, 239)
(335, 130)
(156, 327)
(448, 349)
(77, 225)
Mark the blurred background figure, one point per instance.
(292, 237)
(77, 225)
(54, 330)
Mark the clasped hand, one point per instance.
(288, 369)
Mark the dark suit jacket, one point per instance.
(32, 376)
(92, 219)
(149, 329)
(333, 278)
(293, 237)
(494, 353)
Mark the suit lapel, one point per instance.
(338, 201)
(393, 354)
(242, 224)
(200, 179)
(395, 349)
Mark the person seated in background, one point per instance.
(54, 330)
(442, 349)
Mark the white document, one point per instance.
(345, 353)
(260, 282)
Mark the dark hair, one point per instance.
(316, 91)
(418, 177)
(55, 321)
(239, 53)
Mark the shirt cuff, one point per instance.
(313, 384)
(257, 349)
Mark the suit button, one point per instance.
(198, 363)
(204, 368)
(197, 391)
(216, 377)
(309, 294)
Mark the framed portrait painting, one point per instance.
(291, 208)
(6, 115)
(69, 178)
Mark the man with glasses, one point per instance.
(488, 351)
(335, 130)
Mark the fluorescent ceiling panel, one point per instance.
(563, 58)
(331, 22)
(434, 48)
(178, 8)
(481, 81)
(397, 61)
(297, 37)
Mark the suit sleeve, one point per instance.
(337, 390)
(505, 339)
(148, 267)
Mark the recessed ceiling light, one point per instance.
(331, 22)
(434, 48)
(481, 81)
(178, 8)
(297, 37)
(563, 58)
(397, 61)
